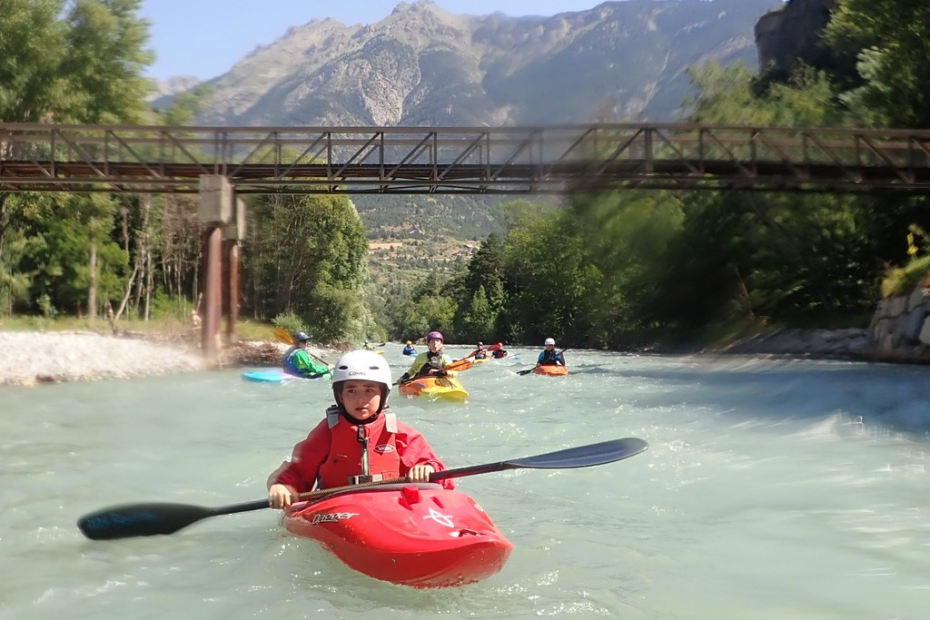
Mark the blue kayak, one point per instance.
(277, 376)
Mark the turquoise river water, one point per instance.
(772, 489)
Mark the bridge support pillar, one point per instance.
(216, 207)
(233, 234)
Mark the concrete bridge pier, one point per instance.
(216, 209)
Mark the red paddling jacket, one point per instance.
(334, 453)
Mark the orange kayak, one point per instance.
(551, 371)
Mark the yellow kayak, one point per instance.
(436, 388)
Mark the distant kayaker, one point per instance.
(409, 349)
(297, 360)
(359, 440)
(368, 346)
(480, 353)
(549, 356)
(499, 353)
(430, 362)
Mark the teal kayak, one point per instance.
(277, 376)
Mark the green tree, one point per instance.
(478, 319)
(32, 45)
(306, 255)
(891, 41)
(186, 106)
(80, 62)
(104, 62)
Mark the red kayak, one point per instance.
(551, 371)
(418, 535)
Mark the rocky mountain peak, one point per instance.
(423, 65)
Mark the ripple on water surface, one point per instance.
(771, 489)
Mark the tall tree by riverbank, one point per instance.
(623, 268)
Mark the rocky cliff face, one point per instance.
(425, 66)
(793, 33)
(173, 86)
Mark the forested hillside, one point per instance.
(631, 268)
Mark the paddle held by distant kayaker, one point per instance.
(359, 440)
(430, 362)
(297, 360)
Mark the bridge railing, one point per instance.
(467, 158)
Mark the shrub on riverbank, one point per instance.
(901, 280)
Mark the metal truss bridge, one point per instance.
(461, 160)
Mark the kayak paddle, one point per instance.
(285, 337)
(490, 349)
(570, 458)
(149, 519)
(465, 363)
(460, 365)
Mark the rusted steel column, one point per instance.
(232, 291)
(233, 234)
(215, 212)
(212, 293)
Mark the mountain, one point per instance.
(172, 87)
(425, 66)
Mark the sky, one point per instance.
(205, 38)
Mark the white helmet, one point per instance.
(362, 366)
(550, 341)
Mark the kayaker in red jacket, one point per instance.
(360, 439)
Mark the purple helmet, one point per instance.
(434, 335)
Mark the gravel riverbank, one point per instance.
(29, 358)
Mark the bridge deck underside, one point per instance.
(100, 176)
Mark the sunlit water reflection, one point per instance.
(772, 489)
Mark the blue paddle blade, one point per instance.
(582, 456)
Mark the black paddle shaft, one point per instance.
(133, 520)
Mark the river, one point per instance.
(771, 489)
